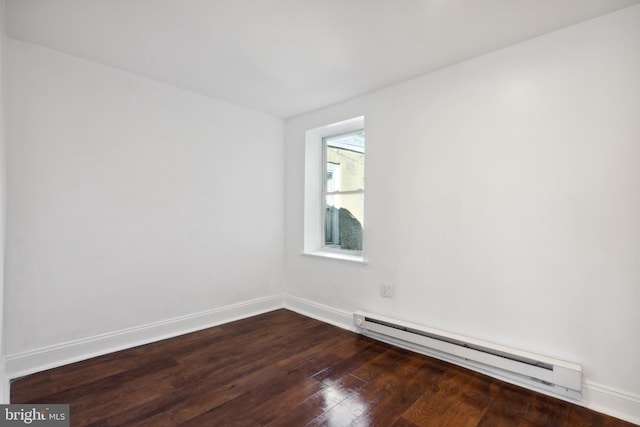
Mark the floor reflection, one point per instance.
(343, 402)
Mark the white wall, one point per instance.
(503, 201)
(3, 398)
(131, 201)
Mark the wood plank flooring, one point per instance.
(284, 369)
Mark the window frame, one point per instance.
(314, 186)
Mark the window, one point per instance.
(343, 191)
(334, 190)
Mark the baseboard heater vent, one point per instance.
(517, 366)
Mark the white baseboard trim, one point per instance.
(29, 362)
(333, 316)
(617, 403)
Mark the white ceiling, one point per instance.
(287, 57)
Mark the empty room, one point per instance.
(320, 213)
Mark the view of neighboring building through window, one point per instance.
(343, 193)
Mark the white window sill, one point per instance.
(337, 256)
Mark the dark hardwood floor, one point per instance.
(284, 369)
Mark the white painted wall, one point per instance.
(503, 201)
(131, 201)
(3, 397)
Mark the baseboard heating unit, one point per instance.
(519, 367)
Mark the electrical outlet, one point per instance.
(386, 289)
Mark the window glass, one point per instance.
(344, 221)
(344, 191)
(345, 162)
